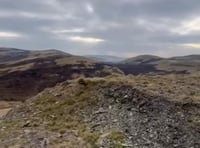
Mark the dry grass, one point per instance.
(184, 88)
(63, 113)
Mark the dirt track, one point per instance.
(5, 107)
(3, 112)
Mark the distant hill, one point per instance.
(12, 54)
(24, 73)
(189, 57)
(187, 64)
(105, 58)
(142, 59)
(153, 64)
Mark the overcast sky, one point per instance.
(107, 27)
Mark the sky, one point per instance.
(123, 28)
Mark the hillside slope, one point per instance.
(32, 71)
(145, 64)
(107, 112)
(142, 59)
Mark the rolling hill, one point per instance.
(146, 64)
(142, 59)
(12, 54)
(24, 73)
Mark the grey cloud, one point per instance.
(127, 26)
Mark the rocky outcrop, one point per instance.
(146, 121)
